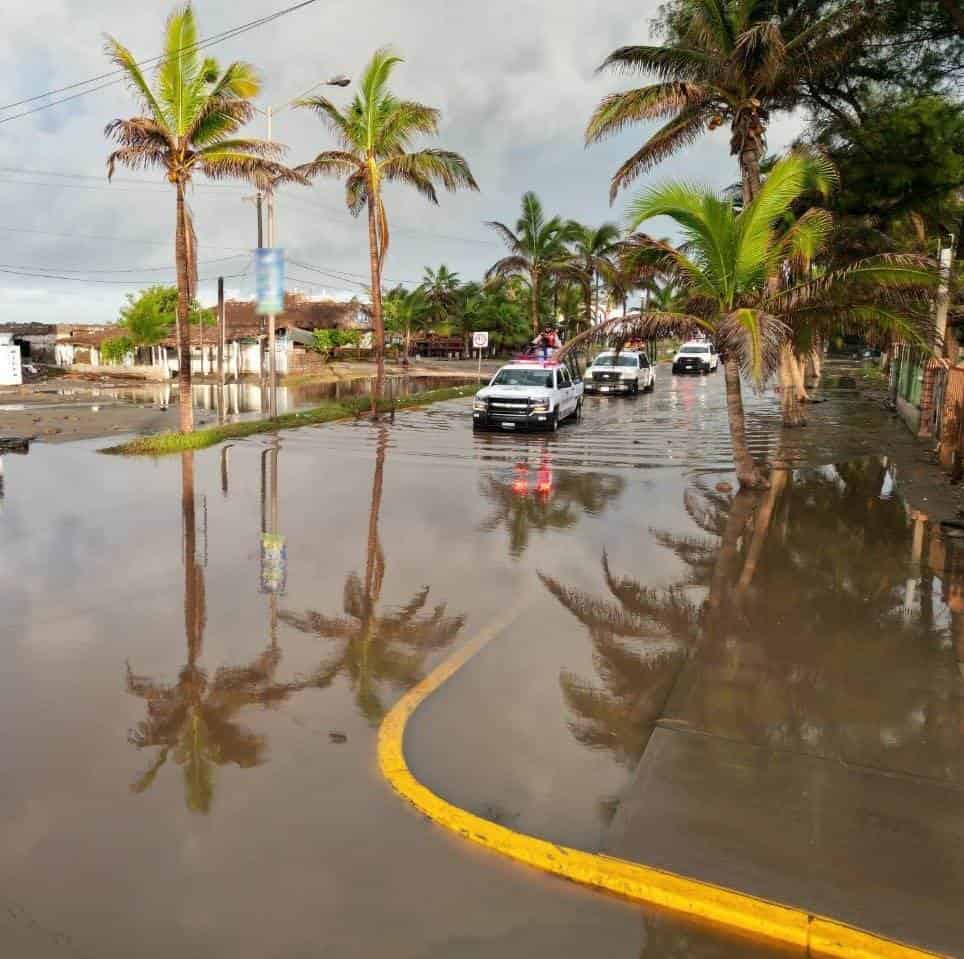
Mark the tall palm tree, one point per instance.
(441, 290)
(188, 125)
(374, 135)
(537, 250)
(729, 61)
(725, 268)
(593, 249)
(377, 647)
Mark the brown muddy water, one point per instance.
(199, 650)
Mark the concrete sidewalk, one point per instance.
(877, 850)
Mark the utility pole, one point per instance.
(272, 355)
(221, 340)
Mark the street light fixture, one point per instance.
(268, 192)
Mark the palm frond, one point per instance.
(126, 60)
(181, 74)
(334, 119)
(508, 266)
(336, 163)
(754, 338)
(428, 167)
(237, 165)
(507, 236)
(681, 131)
(618, 110)
(667, 63)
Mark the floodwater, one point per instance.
(245, 397)
(199, 650)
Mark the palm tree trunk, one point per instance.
(535, 303)
(789, 399)
(184, 403)
(747, 472)
(378, 324)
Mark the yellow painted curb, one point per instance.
(813, 935)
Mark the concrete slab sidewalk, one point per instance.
(882, 851)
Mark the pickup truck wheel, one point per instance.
(634, 389)
(554, 421)
(651, 385)
(577, 412)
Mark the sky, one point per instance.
(515, 81)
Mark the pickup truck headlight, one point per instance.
(478, 405)
(541, 407)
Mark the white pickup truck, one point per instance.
(528, 395)
(622, 371)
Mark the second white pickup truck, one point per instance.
(528, 395)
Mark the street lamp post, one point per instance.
(268, 194)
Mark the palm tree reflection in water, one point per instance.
(803, 640)
(195, 720)
(377, 648)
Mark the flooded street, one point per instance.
(764, 691)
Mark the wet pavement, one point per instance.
(199, 650)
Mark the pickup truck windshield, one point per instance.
(523, 378)
(615, 361)
(695, 349)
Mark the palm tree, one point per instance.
(188, 124)
(406, 311)
(377, 647)
(441, 290)
(730, 62)
(374, 136)
(593, 249)
(537, 250)
(726, 272)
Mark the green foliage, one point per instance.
(149, 316)
(724, 269)
(327, 341)
(906, 157)
(114, 350)
(502, 309)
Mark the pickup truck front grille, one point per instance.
(607, 376)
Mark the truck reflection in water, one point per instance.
(376, 649)
(195, 720)
(536, 498)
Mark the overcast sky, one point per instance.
(514, 80)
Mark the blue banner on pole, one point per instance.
(269, 281)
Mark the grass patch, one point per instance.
(162, 444)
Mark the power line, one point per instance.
(119, 73)
(141, 269)
(83, 279)
(115, 239)
(25, 171)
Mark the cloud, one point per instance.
(515, 80)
